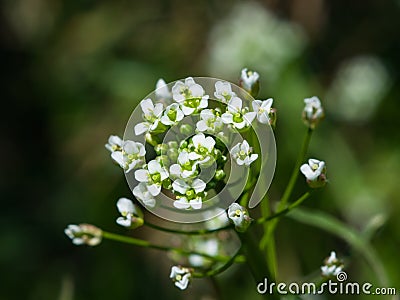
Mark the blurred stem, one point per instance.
(146, 244)
(230, 262)
(191, 232)
(269, 248)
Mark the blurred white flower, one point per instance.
(162, 91)
(172, 114)
(209, 121)
(249, 81)
(151, 115)
(315, 173)
(190, 96)
(236, 115)
(313, 111)
(180, 276)
(84, 234)
(263, 110)
(131, 216)
(142, 193)
(239, 216)
(242, 153)
(332, 266)
(153, 176)
(207, 246)
(114, 143)
(223, 91)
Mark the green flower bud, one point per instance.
(186, 129)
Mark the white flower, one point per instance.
(242, 153)
(209, 121)
(313, 111)
(263, 109)
(239, 216)
(153, 176)
(192, 194)
(332, 266)
(237, 116)
(314, 172)
(190, 96)
(151, 115)
(172, 114)
(84, 234)
(207, 246)
(142, 193)
(203, 147)
(131, 155)
(180, 276)
(131, 215)
(249, 80)
(223, 91)
(185, 167)
(114, 143)
(162, 91)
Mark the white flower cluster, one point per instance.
(178, 164)
(332, 266)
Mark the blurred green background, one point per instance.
(72, 72)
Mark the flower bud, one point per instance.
(313, 112)
(239, 216)
(249, 81)
(219, 175)
(173, 144)
(172, 154)
(161, 149)
(151, 139)
(163, 160)
(186, 129)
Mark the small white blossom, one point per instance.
(209, 121)
(151, 115)
(131, 216)
(114, 143)
(162, 91)
(249, 81)
(204, 245)
(313, 111)
(172, 114)
(191, 195)
(236, 115)
(202, 147)
(223, 91)
(263, 109)
(180, 276)
(142, 193)
(332, 266)
(185, 167)
(84, 234)
(239, 216)
(315, 173)
(153, 176)
(242, 153)
(132, 154)
(190, 96)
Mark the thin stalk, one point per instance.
(191, 232)
(146, 244)
(219, 270)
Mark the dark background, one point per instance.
(72, 72)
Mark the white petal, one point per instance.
(166, 120)
(196, 203)
(154, 167)
(256, 104)
(175, 169)
(196, 90)
(130, 147)
(189, 81)
(201, 126)
(125, 205)
(253, 157)
(307, 171)
(181, 203)
(187, 110)
(158, 109)
(266, 105)
(147, 106)
(203, 102)
(154, 189)
(209, 143)
(245, 146)
(249, 117)
(198, 185)
(239, 161)
(142, 128)
(235, 104)
(126, 222)
(227, 118)
(179, 115)
(142, 149)
(183, 157)
(263, 117)
(142, 175)
(198, 140)
(150, 202)
(180, 186)
(118, 157)
(194, 156)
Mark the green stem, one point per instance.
(146, 244)
(219, 270)
(268, 248)
(295, 172)
(286, 210)
(191, 232)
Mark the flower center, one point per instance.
(172, 114)
(178, 277)
(237, 118)
(314, 167)
(156, 178)
(237, 213)
(192, 103)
